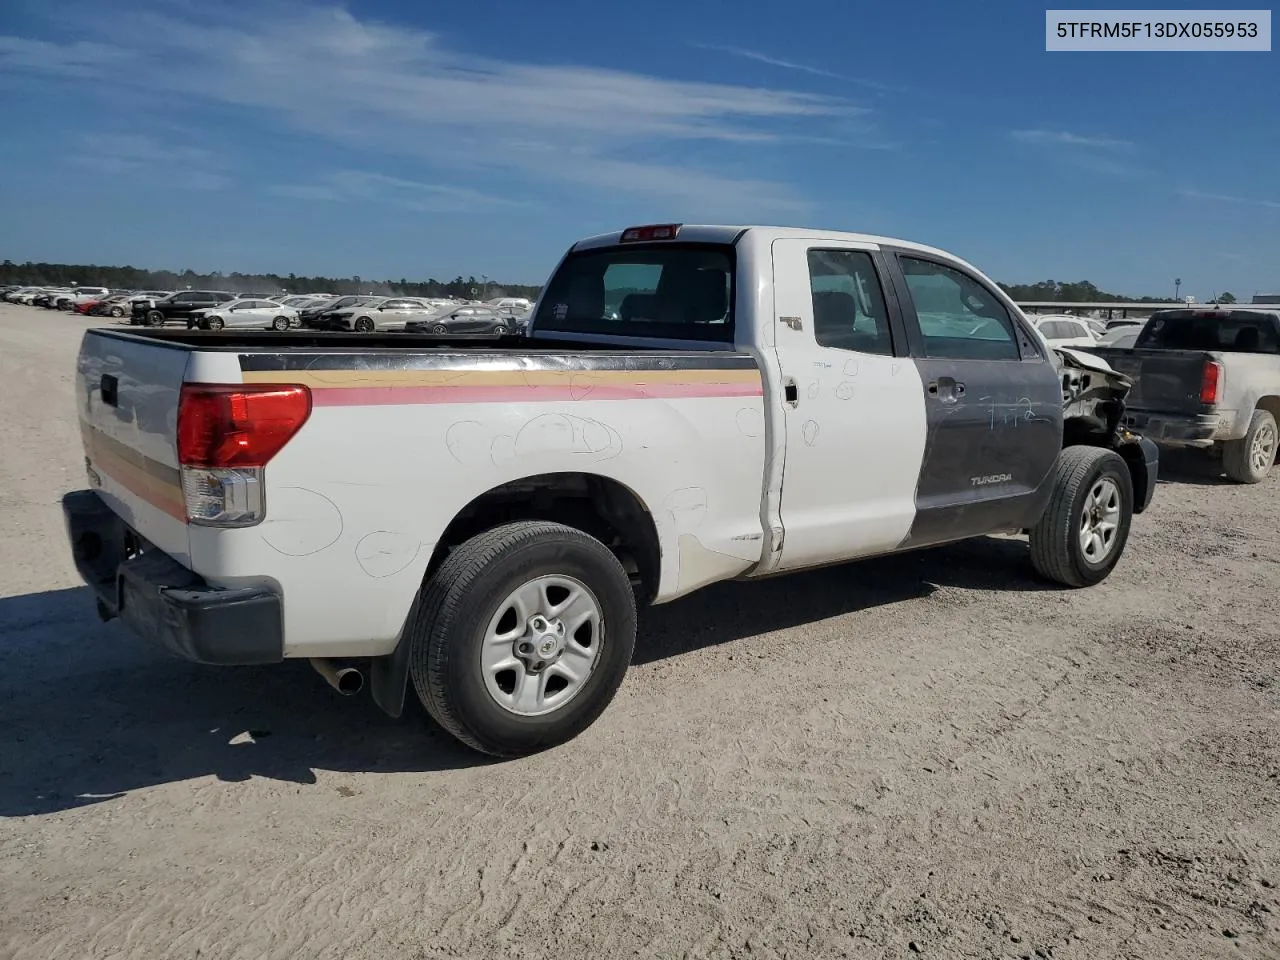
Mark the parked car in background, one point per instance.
(116, 305)
(48, 297)
(178, 306)
(384, 313)
(512, 303)
(1123, 335)
(143, 300)
(81, 295)
(1064, 331)
(313, 314)
(477, 318)
(23, 295)
(249, 314)
(1208, 378)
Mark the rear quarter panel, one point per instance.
(399, 443)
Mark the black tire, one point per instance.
(364, 325)
(213, 323)
(440, 330)
(280, 323)
(500, 330)
(117, 312)
(1238, 455)
(454, 610)
(1056, 550)
(155, 318)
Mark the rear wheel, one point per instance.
(364, 325)
(1082, 533)
(280, 323)
(1249, 459)
(522, 637)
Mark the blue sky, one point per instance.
(392, 138)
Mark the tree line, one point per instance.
(135, 278)
(1056, 291)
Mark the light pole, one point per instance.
(486, 286)
(1177, 285)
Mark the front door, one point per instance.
(993, 400)
(853, 404)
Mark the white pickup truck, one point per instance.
(479, 519)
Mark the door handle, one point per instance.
(790, 392)
(946, 389)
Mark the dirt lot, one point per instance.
(934, 754)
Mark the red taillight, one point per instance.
(656, 231)
(1210, 382)
(240, 425)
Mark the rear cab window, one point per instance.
(668, 291)
(1233, 332)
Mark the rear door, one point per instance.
(853, 404)
(992, 398)
(127, 398)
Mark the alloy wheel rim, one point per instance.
(541, 645)
(1100, 520)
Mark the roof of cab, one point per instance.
(724, 233)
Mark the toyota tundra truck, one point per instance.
(476, 521)
(1208, 378)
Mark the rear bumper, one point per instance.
(1172, 430)
(164, 602)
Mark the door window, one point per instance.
(848, 305)
(959, 318)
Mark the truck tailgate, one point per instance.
(127, 392)
(1164, 381)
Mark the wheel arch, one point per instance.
(598, 505)
(1271, 404)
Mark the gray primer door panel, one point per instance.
(990, 449)
(994, 423)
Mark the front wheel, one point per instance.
(155, 318)
(214, 323)
(1082, 533)
(364, 325)
(522, 637)
(280, 323)
(439, 329)
(1249, 459)
(117, 312)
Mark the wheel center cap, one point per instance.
(542, 644)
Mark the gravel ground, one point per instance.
(932, 754)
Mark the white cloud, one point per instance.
(386, 89)
(1065, 138)
(1107, 156)
(772, 61)
(184, 167)
(347, 185)
(1227, 198)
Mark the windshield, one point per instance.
(1233, 332)
(667, 291)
